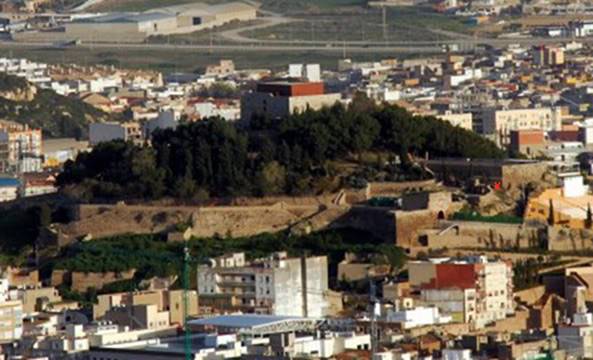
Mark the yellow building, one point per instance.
(170, 301)
(569, 204)
(11, 321)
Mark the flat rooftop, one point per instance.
(257, 324)
(243, 321)
(481, 162)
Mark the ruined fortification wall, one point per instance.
(248, 220)
(562, 239)
(515, 176)
(409, 225)
(395, 188)
(378, 221)
(99, 221)
(96, 221)
(82, 281)
(482, 235)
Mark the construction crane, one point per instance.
(186, 285)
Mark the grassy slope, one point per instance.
(403, 24)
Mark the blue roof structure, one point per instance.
(9, 182)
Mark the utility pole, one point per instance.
(373, 305)
(187, 333)
(210, 48)
(384, 16)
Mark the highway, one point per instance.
(234, 48)
(300, 46)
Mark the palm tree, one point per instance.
(551, 214)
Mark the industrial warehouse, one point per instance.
(137, 27)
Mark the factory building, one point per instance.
(137, 27)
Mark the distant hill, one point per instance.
(56, 115)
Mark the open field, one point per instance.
(300, 6)
(403, 24)
(206, 36)
(186, 60)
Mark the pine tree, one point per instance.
(589, 220)
(551, 214)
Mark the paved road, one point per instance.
(230, 48)
(248, 45)
(85, 5)
(240, 34)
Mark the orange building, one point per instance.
(528, 142)
(566, 206)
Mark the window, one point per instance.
(196, 21)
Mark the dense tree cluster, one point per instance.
(115, 170)
(152, 256)
(19, 229)
(145, 253)
(526, 272)
(300, 154)
(12, 83)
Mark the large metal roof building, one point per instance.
(252, 324)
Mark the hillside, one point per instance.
(312, 152)
(57, 116)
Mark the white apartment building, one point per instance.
(500, 123)
(473, 290)
(277, 100)
(420, 316)
(108, 131)
(11, 315)
(276, 285)
(33, 72)
(9, 189)
(457, 354)
(20, 150)
(208, 109)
